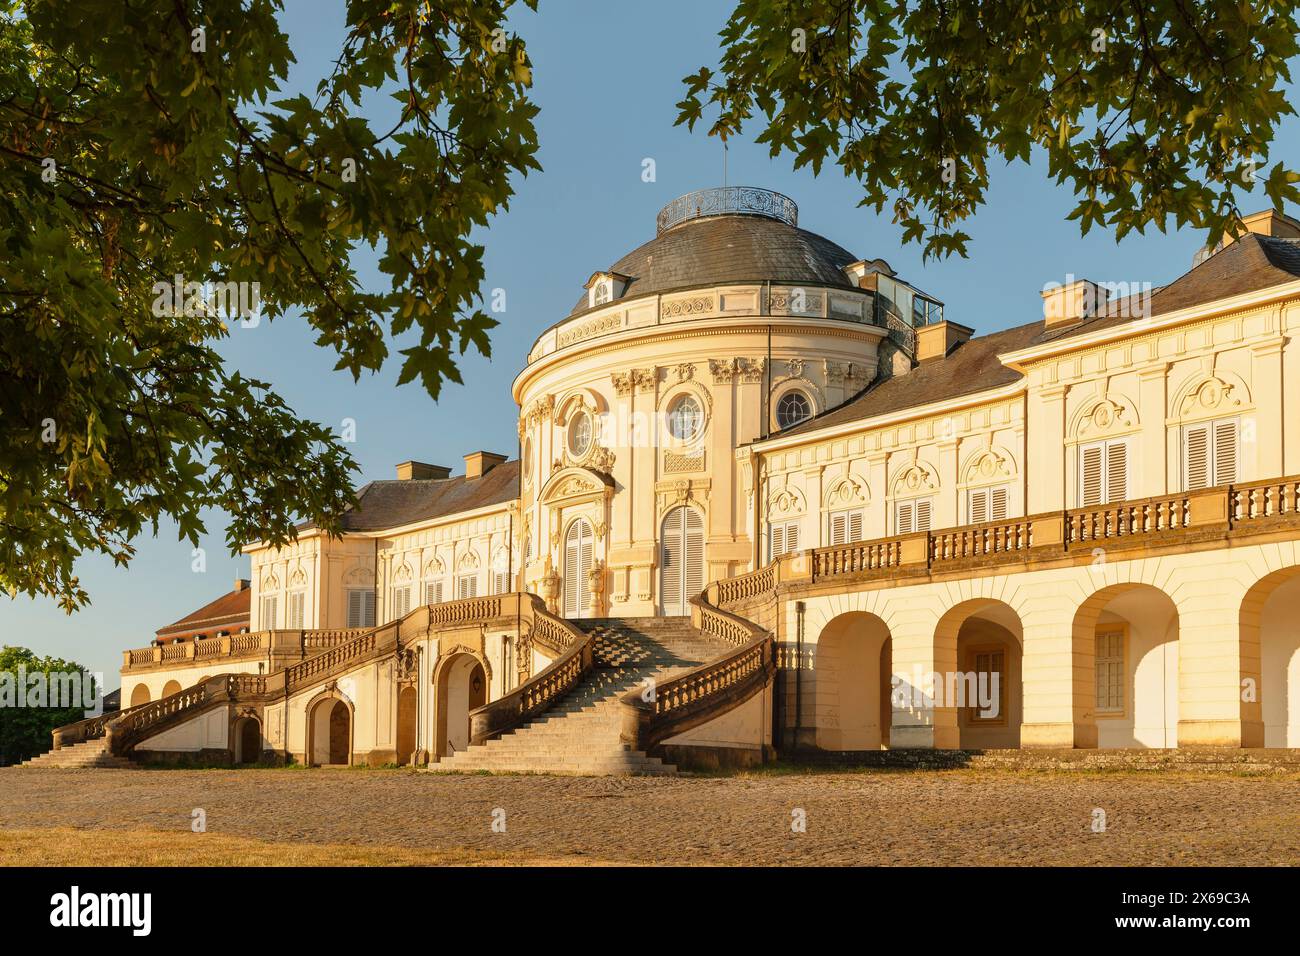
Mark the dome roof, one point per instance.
(716, 248)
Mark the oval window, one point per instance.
(792, 408)
(685, 418)
(579, 434)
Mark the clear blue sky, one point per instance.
(607, 76)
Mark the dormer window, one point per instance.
(604, 287)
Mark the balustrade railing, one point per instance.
(857, 557)
(1145, 516)
(541, 691)
(1279, 498)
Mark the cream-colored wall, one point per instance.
(747, 727)
(941, 457)
(443, 552)
(628, 376)
(326, 569)
(208, 731)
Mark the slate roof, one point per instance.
(230, 610)
(391, 504)
(969, 368)
(1251, 263)
(730, 248)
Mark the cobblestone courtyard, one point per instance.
(958, 817)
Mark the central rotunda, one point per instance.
(637, 407)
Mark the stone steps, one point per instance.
(88, 753)
(581, 733)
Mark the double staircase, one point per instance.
(581, 733)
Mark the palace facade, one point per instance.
(771, 496)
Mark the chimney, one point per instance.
(242, 584)
(937, 340)
(1078, 299)
(1270, 222)
(479, 463)
(419, 471)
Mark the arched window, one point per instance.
(685, 418)
(792, 408)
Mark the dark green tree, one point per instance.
(1149, 111)
(25, 731)
(141, 140)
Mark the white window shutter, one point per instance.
(777, 547)
(1116, 472)
(297, 602)
(791, 538)
(1196, 455)
(367, 608)
(432, 592)
(1225, 452)
(694, 570)
(979, 506)
(998, 504)
(855, 526)
(839, 527)
(905, 523)
(1090, 484)
(923, 515)
(354, 609)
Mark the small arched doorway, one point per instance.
(248, 740)
(681, 563)
(330, 731)
(406, 723)
(461, 688)
(140, 695)
(171, 687)
(579, 543)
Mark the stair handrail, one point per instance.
(707, 691)
(541, 691)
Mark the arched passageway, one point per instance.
(979, 649)
(171, 687)
(248, 740)
(461, 687)
(140, 695)
(1126, 643)
(330, 730)
(1270, 634)
(850, 688)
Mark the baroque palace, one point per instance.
(769, 497)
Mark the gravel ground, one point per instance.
(962, 817)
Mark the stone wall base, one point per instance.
(710, 758)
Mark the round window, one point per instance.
(685, 418)
(579, 434)
(792, 408)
